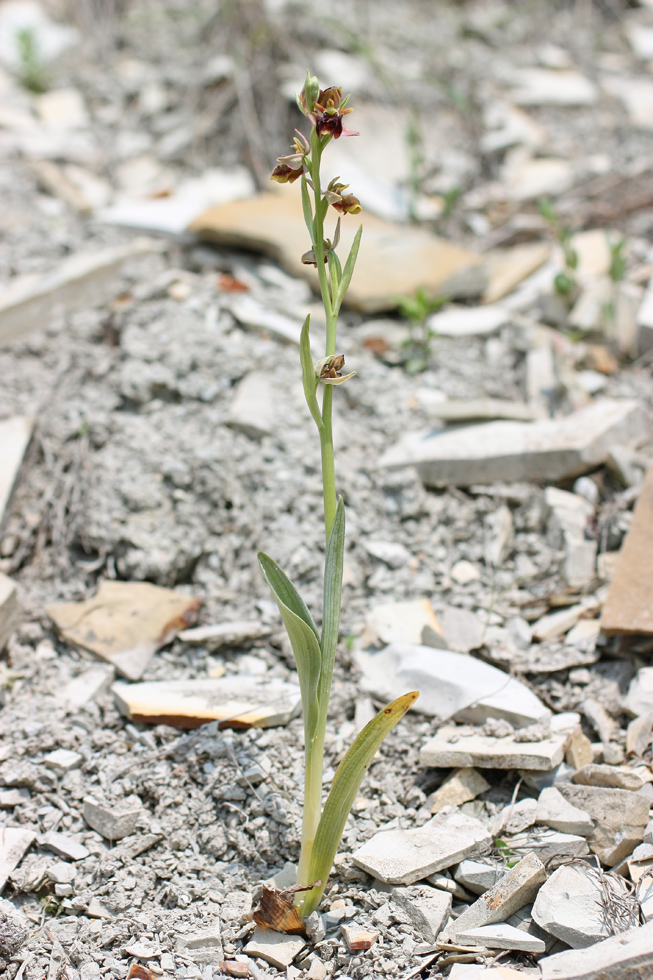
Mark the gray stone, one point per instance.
(63, 760)
(78, 282)
(465, 321)
(62, 873)
(9, 611)
(277, 948)
(13, 843)
(87, 686)
(548, 844)
(474, 410)
(518, 816)
(620, 819)
(13, 929)
(600, 775)
(549, 449)
(450, 684)
(639, 699)
(501, 936)
(460, 787)
(113, 822)
(401, 857)
(402, 622)
(478, 876)
(389, 552)
(252, 409)
(516, 888)
(571, 905)
(462, 629)
(224, 634)
(628, 956)
(427, 908)
(451, 748)
(554, 811)
(13, 797)
(65, 846)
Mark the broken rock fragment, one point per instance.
(628, 956)
(628, 608)
(13, 844)
(451, 747)
(401, 857)
(620, 819)
(236, 702)
(462, 785)
(9, 614)
(428, 908)
(516, 888)
(573, 905)
(501, 935)
(450, 684)
(554, 811)
(277, 948)
(113, 821)
(15, 434)
(125, 623)
(549, 449)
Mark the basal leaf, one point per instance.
(344, 788)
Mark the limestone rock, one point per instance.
(572, 906)
(516, 888)
(448, 748)
(620, 819)
(554, 811)
(628, 956)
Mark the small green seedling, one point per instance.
(418, 346)
(314, 649)
(31, 71)
(505, 853)
(565, 282)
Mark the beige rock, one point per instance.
(224, 634)
(636, 94)
(579, 750)
(410, 257)
(14, 841)
(245, 701)
(252, 408)
(460, 787)
(638, 736)
(15, 434)
(125, 622)
(9, 612)
(507, 268)
(554, 624)
(543, 86)
(628, 956)
(403, 622)
(357, 939)
(79, 281)
(628, 608)
(554, 811)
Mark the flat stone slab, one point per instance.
(235, 701)
(549, 449)
(448, 748)
(501, 936)
(411, 258)
(276, 948)
(628, 956)
(449, 684)
(13, 844)
(15, 434)
(402, 857)
(512, 891)
(125, 622)
(225, 634)
(428, 908)
(628, 608)
(86, 279)
(460, 787)
(9, 608)
(620, 819)
(554, 811)
(571, 906)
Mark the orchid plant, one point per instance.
(315, 650)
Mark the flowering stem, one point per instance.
(326, 433)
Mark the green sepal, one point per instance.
(344, 788)
(303, 636)
(348, 271)
(309, 379)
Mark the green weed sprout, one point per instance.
(565, 282)
(315, 650)
(417, 310)
(31, 72)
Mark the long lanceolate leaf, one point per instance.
(348, 270)
(332, 597)
(344, 788)
(303, 636)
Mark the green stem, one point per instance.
(312, 801)
(328, 465)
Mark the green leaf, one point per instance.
(335, 553)
(348, 271)
(308, 211)
(303, 636)
(308, 374)
(344, 788)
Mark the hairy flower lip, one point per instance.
(328, 370)
(284, 174)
